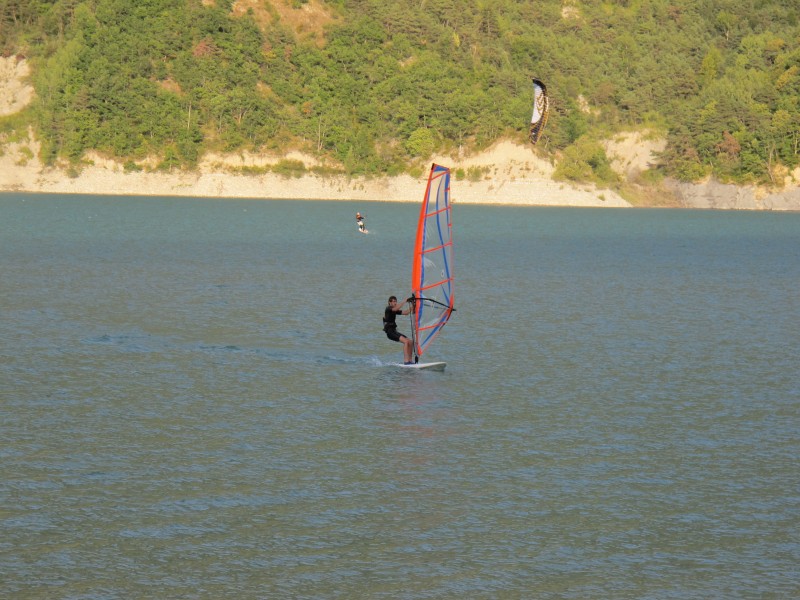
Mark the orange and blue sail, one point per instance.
(432, 274)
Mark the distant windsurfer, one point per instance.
(390, 327)
(360, 222)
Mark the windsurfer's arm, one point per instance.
(410, 309)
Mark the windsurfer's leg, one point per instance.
(407, 349)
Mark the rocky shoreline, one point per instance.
(716, 195)
(509, 174)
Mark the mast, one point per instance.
(412, 315)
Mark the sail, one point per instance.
(541, 106)
(432, 274)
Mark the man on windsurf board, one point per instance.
(390, 327)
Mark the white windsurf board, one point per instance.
(433, 366)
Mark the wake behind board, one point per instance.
(434, 366)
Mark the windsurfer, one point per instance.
(390, 327)
(360, 221)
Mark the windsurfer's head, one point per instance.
(392, 299)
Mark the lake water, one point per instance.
(197, 401)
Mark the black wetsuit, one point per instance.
(389, 324)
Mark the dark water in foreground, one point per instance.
(197, 401)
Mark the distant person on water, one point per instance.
(390, 327)
(360, 221)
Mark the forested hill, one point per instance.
(378, 85)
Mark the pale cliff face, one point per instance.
(15, 93)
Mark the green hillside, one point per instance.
(378, 85)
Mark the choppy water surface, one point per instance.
(197, 401)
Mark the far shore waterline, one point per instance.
(472, 202)
(127, 194)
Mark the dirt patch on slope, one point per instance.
(15, 93)
(307, 21)
(633, 152)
